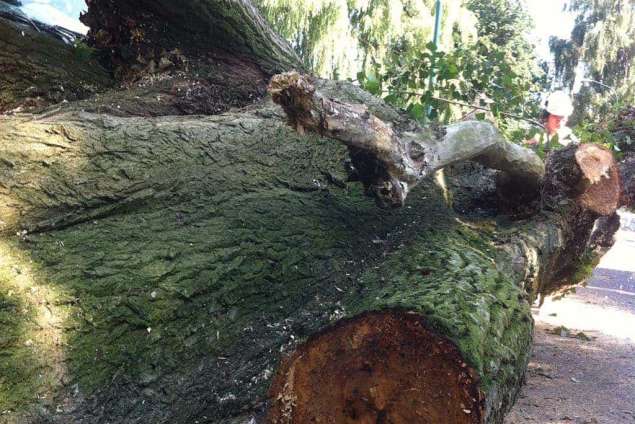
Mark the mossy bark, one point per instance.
(37, 70)
(188, 254)
(157, 269)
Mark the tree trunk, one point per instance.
(37, 70)
(222, 268)
(203, 200)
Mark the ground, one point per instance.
(582, 369)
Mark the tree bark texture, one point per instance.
(136, 33)
(37, 70)
(250, 241)
(627, 172)
(223, 269)
(41, 71)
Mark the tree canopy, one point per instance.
(337, 38)
(483, 57)
(602, 47)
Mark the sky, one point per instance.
(550, 20)
(64, 13)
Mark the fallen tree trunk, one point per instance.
(203, 199)
(223, 286)
(37, 70)
(182, 262)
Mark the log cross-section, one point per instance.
(383, 367)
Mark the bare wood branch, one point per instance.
(400, 155)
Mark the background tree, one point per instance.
(601, 53)
(483, 57)
(497, 70)
(338, 38)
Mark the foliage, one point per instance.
(497, 72)
(83, 52)
(483, 57)
(337, 38)
(603, 46)
(616, 130)
(319, 30)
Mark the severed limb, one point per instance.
(391, 158)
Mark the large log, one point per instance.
(37, 69)
(191, 210)
(163, 240)
(164, 269)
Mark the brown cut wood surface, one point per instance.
(384, 367)
(601, 186)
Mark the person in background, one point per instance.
(557, 109)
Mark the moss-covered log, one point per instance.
(165, 269)
(37, 70)
(185, 256)
(181, 288)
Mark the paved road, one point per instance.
(583, 365)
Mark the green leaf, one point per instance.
(452, 71)
(391, 99)
(417, 111)
(372, 84)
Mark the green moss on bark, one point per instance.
(195, 251)
(37, 70)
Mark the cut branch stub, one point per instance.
(378, 367)
(587, 174)
(391, 158)
(601, 185)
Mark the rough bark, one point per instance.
(142, 33)
(603, 235)
(627, 173)
(37, 69)
(164, 269)
(167, 59)
(203, 200)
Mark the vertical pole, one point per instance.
(435, 41)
